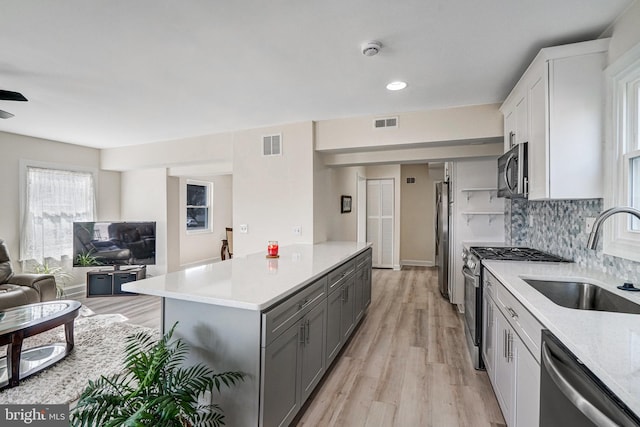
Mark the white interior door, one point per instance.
(362, 209)
(380, 212)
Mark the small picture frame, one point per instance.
(345, 204)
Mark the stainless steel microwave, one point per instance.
(513, 180)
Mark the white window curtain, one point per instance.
(54, 200)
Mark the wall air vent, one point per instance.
(272, 145)
(386, 122)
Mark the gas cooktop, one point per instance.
(514, 254)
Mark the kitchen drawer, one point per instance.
(523, 322)
(363, 259)
(278, 319)
(490, 283)
(338, 276)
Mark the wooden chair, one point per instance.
(227, 245)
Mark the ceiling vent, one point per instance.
(387, 122)
(272, 145)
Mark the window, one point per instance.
(54, 199)
(199, 196)
(622, 232)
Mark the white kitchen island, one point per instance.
(259, 316)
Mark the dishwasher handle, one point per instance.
(583, 405)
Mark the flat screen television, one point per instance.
(114, 243)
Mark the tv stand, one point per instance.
(101, 283)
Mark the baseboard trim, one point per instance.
(417, 263)
(79, 290)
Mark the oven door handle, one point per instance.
(574, 396)
(466, 272)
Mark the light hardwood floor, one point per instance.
(139, 309)
(407, 365)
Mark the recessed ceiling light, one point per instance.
(396, 85)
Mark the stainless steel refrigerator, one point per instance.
(442, 236)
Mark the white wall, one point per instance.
(343, 181)
(451, 124)
(415, 155)
(173, 223)
(271, 195)
(391, 172)
(212, 151)
(203, 247)
(14, 148)
(321, 199)
(480, 228)
(625, 33)
(417, 226)
(144, 198)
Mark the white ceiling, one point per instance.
(119, 72)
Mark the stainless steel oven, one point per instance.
(472, 272)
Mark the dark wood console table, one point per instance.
(101, 283)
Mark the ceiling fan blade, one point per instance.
(7, 95)
(5, 115)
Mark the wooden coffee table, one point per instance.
(22, 322)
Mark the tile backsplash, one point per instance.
(557, 226)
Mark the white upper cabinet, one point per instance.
(557, 108)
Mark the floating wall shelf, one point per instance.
(491, 215)
(493, 192)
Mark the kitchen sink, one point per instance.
(583, 296)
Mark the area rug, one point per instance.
(100, 343)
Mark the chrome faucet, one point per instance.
(593, 236)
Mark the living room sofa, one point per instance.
(24, 288)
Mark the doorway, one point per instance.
(380, 221)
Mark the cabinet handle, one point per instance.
(490, 315)
(504, 343)
(306, 333)
(512, 138)
(510, 348)
(303, 303)
(301, 333)
(513, 313)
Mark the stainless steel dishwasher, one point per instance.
(571, 395)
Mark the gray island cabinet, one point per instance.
(280, 321)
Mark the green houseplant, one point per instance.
(85, 259)
(61, 276)
(155, 389)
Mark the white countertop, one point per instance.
(607, 343)
(251, 282)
